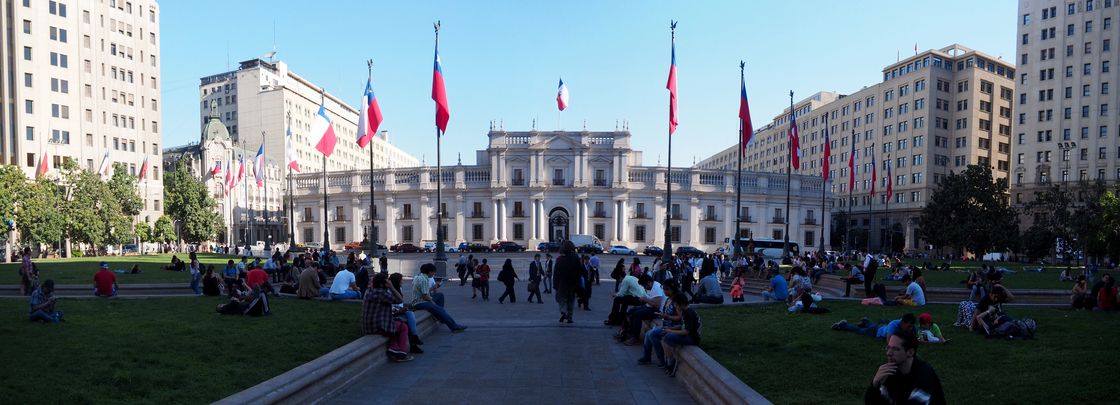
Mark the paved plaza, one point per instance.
(517, 353)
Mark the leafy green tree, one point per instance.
(189, 203)
(970, 211)
(83, 204)
(1110, 224)
(164, 230)
(13, 185)
(144, 232)
(39, 214)
(122, 186)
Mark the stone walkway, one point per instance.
(517, 353)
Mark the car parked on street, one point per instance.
(622, 250)
(548, 247)
(405, 248)
(653, 251)
(507, 246)
(689, 251)
(473, 248)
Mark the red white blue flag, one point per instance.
(852, 165)
(890, 181)
(323, 131)
(439, 95)
(744, 113)
(794, 142)
(672, 86)
(874, 173)
(291, 152)
(562, 96)
(258, 166)
(369, 118)
(827, 150)
(217, 168)
(143, 169)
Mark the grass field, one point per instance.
(170, 350)
(799, 359)
(79, 270)
(1047, 279)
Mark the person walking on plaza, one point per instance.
(548, 273)
(461, 269)
(383, 261)
(585, 284)
(535, 273)
(482, 273)
(593, 268)
(507, 277)
(566, 279)
(618, 273)
(196, 275)
(28, 275)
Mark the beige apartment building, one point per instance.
(1065, 131)
(82, 79)
(256, 101)
(934, 113)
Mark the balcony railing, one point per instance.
(676, 216)
(711, 217)
(777, 220)
(307, 219)
(559, 182)
(478, 214)
(639, 215)
(368, 217)
(518, 214)
(599, 214)
(600, 182)
(810, 221)
(434, 216)
(406, 215)
(338, 218)
(746, 218)
(518, 182)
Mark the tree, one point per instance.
(83, 197)
(1110, 224)
(970, 211)
(39, 213)
(144, 232)
(122, 186)
(190, 204)
(13, 185)
(164, 230)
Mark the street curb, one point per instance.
(320, 379)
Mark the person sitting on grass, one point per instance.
(929, 332)
(710, 291)
(913, 295)
(344, 286)
(245, 301)
(904, 379)
(377, 318)
(176, 264)
(868, 328)
(230, 276)
(778, 289)
(425, 296)
(42, 304)
(309, 283)
(104, 282)
(211, 284)
(1079, 295)
(989, 312)
(799, 285)
(1106, 293)
(975, 285)
(687, 335)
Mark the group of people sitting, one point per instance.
(384, 311)
(1101, 297)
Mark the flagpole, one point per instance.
(870, 202)
(370, 236)
(851, 174)
(667, 252)
(739, 178)
(264, 182)
(326, 183)
(440, 258)
(291, 204)
(789, 176)
(887, 208)
(824, 180)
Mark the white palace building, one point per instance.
(536, 186)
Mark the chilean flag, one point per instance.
(258, 166)
(217, 168)
(229, 175)
(291, 152)
(890, 182)
(562, 96)
(744, 113)
(794, 142)
(240, 171)
(852, 165)
(104, 169)
(42, 170)
(369, 118)
(827, 151)
(324, 130)
(672, 86)
(439, 95)
(874, 173)
(143, 169)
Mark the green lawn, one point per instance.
(1047, 279)
(171, 350)
(79, 270)
(799, 359)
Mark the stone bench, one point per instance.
(317, 380)
(705, 378)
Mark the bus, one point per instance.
(768, 248)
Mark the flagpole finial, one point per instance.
(742, 66)
(369, 67)
(436, 26)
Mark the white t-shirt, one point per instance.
(656, 293)
(342, 282)
(915, 292)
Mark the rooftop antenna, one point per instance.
(534, 124)
(460, 158)
(585, 124)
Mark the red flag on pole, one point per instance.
(672, 86)
(890, 181)
(42, 169)
(439, 93)
(744, 111)
(827, 150)
(794, 142)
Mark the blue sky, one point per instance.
(502, 59)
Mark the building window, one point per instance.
(406, 233)
(709, 235)
(406, 212)
(674, 233)
(600, 231)
(308, 235)
(340, 234)
(776, 234)
(307, 216)
(809, 238)
(476, 232)
(640, 233)
(519, 231)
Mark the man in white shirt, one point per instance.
(652, 301)
(344, 286)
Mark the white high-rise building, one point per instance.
(256, 101)
(81, 78)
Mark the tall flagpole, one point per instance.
(667, 252)
(887, 209)
(248, 212)
(789, 175)
(824, 181)
(264, 181)
(739, 178)
(372, 247)
(440, 258)
(848, 226)
(326, 183)
(291, 203)
(871, 201)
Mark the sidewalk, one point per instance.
(519, 353)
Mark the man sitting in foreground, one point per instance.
(104, 282)
(425, 297)
(344, 287)
(778, 289)
(904, 379)
(914, 296)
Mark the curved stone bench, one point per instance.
(711, 383)
(319, 379)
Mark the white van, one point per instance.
(587, 243)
